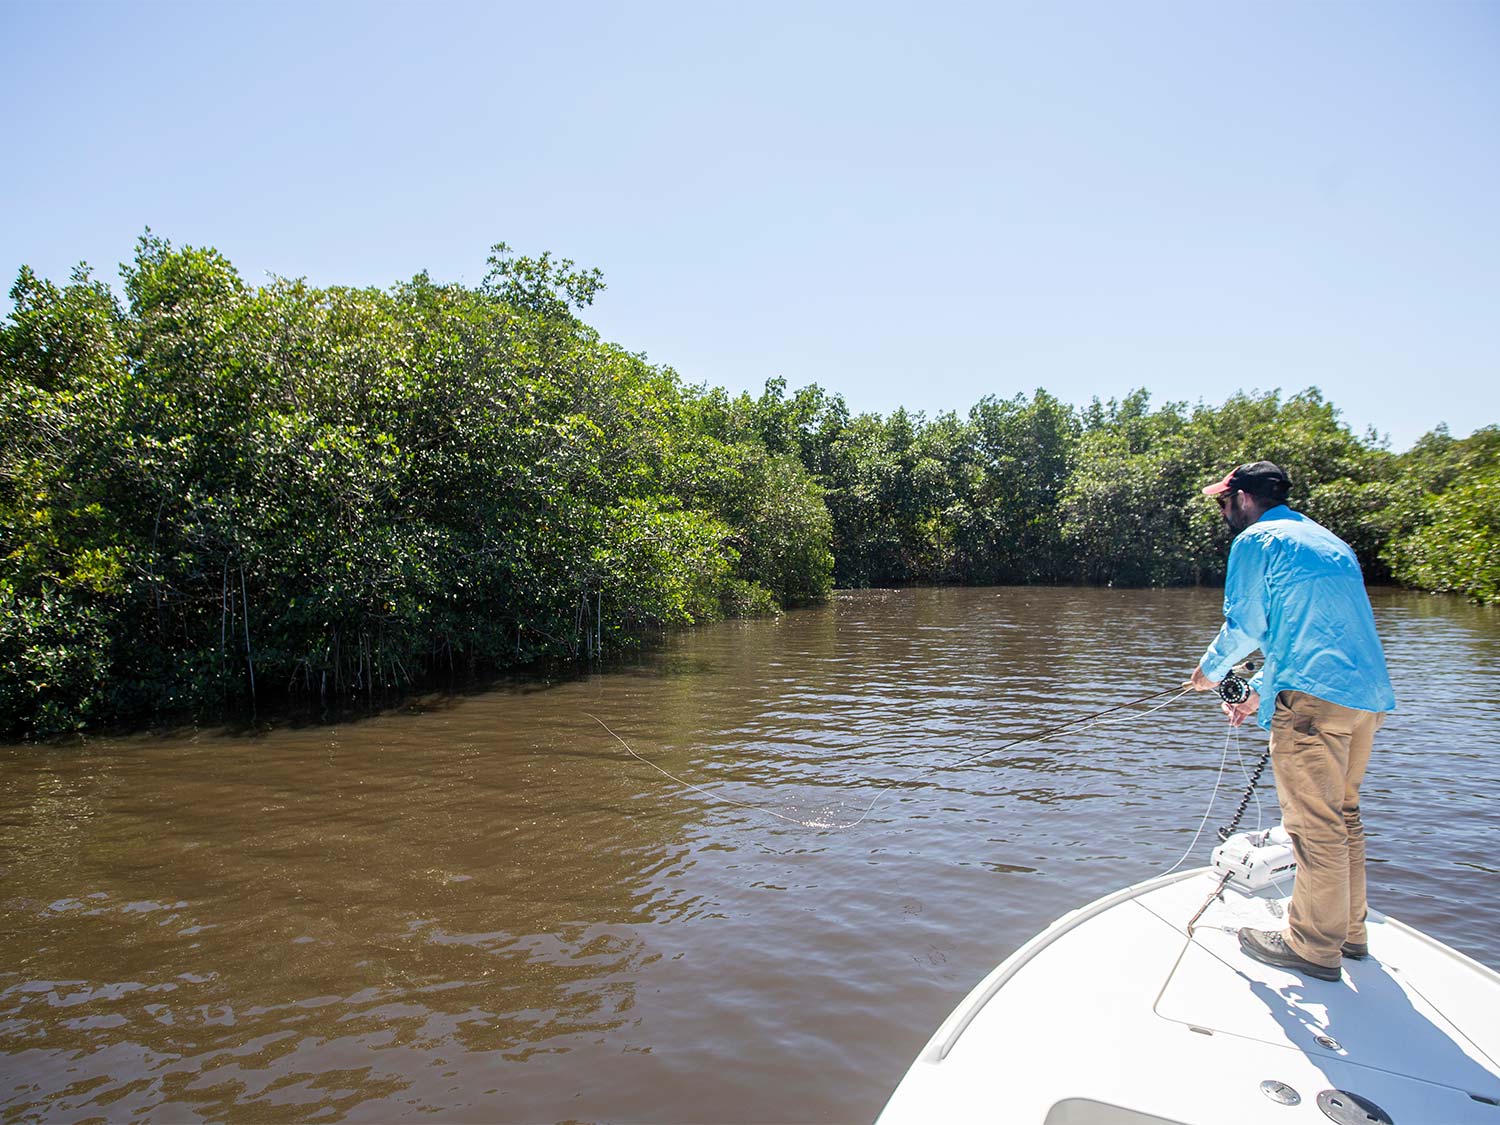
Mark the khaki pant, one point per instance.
(1319, 752)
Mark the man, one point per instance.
(1294, 590)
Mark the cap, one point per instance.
(1259, 478)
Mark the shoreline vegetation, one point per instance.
(217, 498)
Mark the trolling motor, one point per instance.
(1256, 859)
(1252, 861)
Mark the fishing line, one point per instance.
(1072, 726)
(1086, 723)
(1208, 812)
(689, 784)
(1252, 781)
(1083, 724)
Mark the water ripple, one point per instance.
(490, 911)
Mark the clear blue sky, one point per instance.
(909, 204)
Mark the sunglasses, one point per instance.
(1224, 497)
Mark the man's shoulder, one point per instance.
(1284, 523)
(1299, 535)
(1279, 523)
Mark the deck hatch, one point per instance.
(1346, 1108)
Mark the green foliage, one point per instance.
(737, 460)
(749, 599)
(1124, 516)
(54, 659)
(1448, 537)
(1133, 513)
(539, 285)
(1025, 456)
(213, 495)
(1457, 550)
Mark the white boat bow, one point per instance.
(1116, 1015)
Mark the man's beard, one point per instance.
(1237, 518)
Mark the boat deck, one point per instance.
(1114, 1015)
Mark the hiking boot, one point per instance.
(1356, 950)
(1269, 947)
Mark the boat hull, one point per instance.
(1116, 1015)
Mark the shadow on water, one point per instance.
(435, 693)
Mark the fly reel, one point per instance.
(1235, 687)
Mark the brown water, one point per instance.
(489, 911)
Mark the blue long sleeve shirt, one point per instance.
(1294, 590)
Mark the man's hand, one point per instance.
(1239, 712)
(1200, 682)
